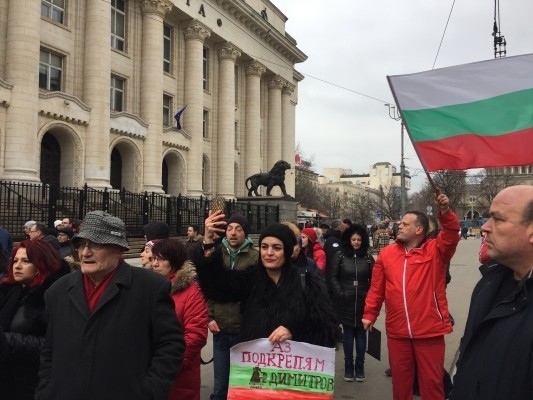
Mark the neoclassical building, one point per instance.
(89, 90)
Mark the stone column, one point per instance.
(274, 120)
(195, 35)
(288, 135)
(21, 152)
(225, 177)
(252, 146)
(96, 81)
(153, 13)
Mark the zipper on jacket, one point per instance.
(356, 284)
(405, 298)
(437, 306)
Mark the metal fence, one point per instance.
(21, 202)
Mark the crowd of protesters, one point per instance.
(77, 321)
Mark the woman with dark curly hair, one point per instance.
(349, 281)
(34, 266)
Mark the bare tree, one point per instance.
(490, 185)
(329, 202)
(452, 184)
(360, 209)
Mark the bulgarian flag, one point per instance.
(469, 116)
(291, 370)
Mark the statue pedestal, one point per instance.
(287, 205)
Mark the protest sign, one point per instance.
(290, 370)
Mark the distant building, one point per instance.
(521, 175)
(381, 175)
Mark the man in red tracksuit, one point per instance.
(410, 276)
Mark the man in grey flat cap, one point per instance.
(112, 330)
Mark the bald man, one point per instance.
(496, 359)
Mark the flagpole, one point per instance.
(395, 115)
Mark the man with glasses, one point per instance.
(40, 231)
(410, 277)
(37, 231)
(113, 331)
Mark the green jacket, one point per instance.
(228, 315)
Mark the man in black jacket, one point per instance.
(112, 332)
(333, 240)
(496, 360)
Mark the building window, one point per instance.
(53, 9)
(118, 86)
(50, 71)
(167, 109)
(167, 48)
(118, 24)
(206, 68)
(205, 124)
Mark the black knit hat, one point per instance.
(156, 230)
(67, 231)
(283, 233)
(242, 221)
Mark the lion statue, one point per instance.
(274, 177)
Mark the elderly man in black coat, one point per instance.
(113, 331)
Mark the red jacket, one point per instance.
(319, 256)
(413, 285)
(191, 310)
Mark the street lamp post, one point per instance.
(395, 115)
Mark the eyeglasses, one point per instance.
(80, 246)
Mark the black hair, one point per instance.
(171, 250)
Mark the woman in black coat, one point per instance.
(276, 301)
(34, 266)
(349, 280)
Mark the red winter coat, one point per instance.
(319, 256)
(191, 310)
(413, 285)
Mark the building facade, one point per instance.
(89, 91)
(381, 176)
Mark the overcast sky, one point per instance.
(352, 45)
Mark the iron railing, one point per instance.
(21, 202)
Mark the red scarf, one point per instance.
(93, 293)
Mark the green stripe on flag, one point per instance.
(280, 379)
(491, 117)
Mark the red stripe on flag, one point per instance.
(269, 394)
(474, 151)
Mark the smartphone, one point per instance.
(218, 204)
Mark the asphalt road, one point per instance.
(465, 274)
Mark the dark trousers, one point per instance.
(350, 335)
(222, 343)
